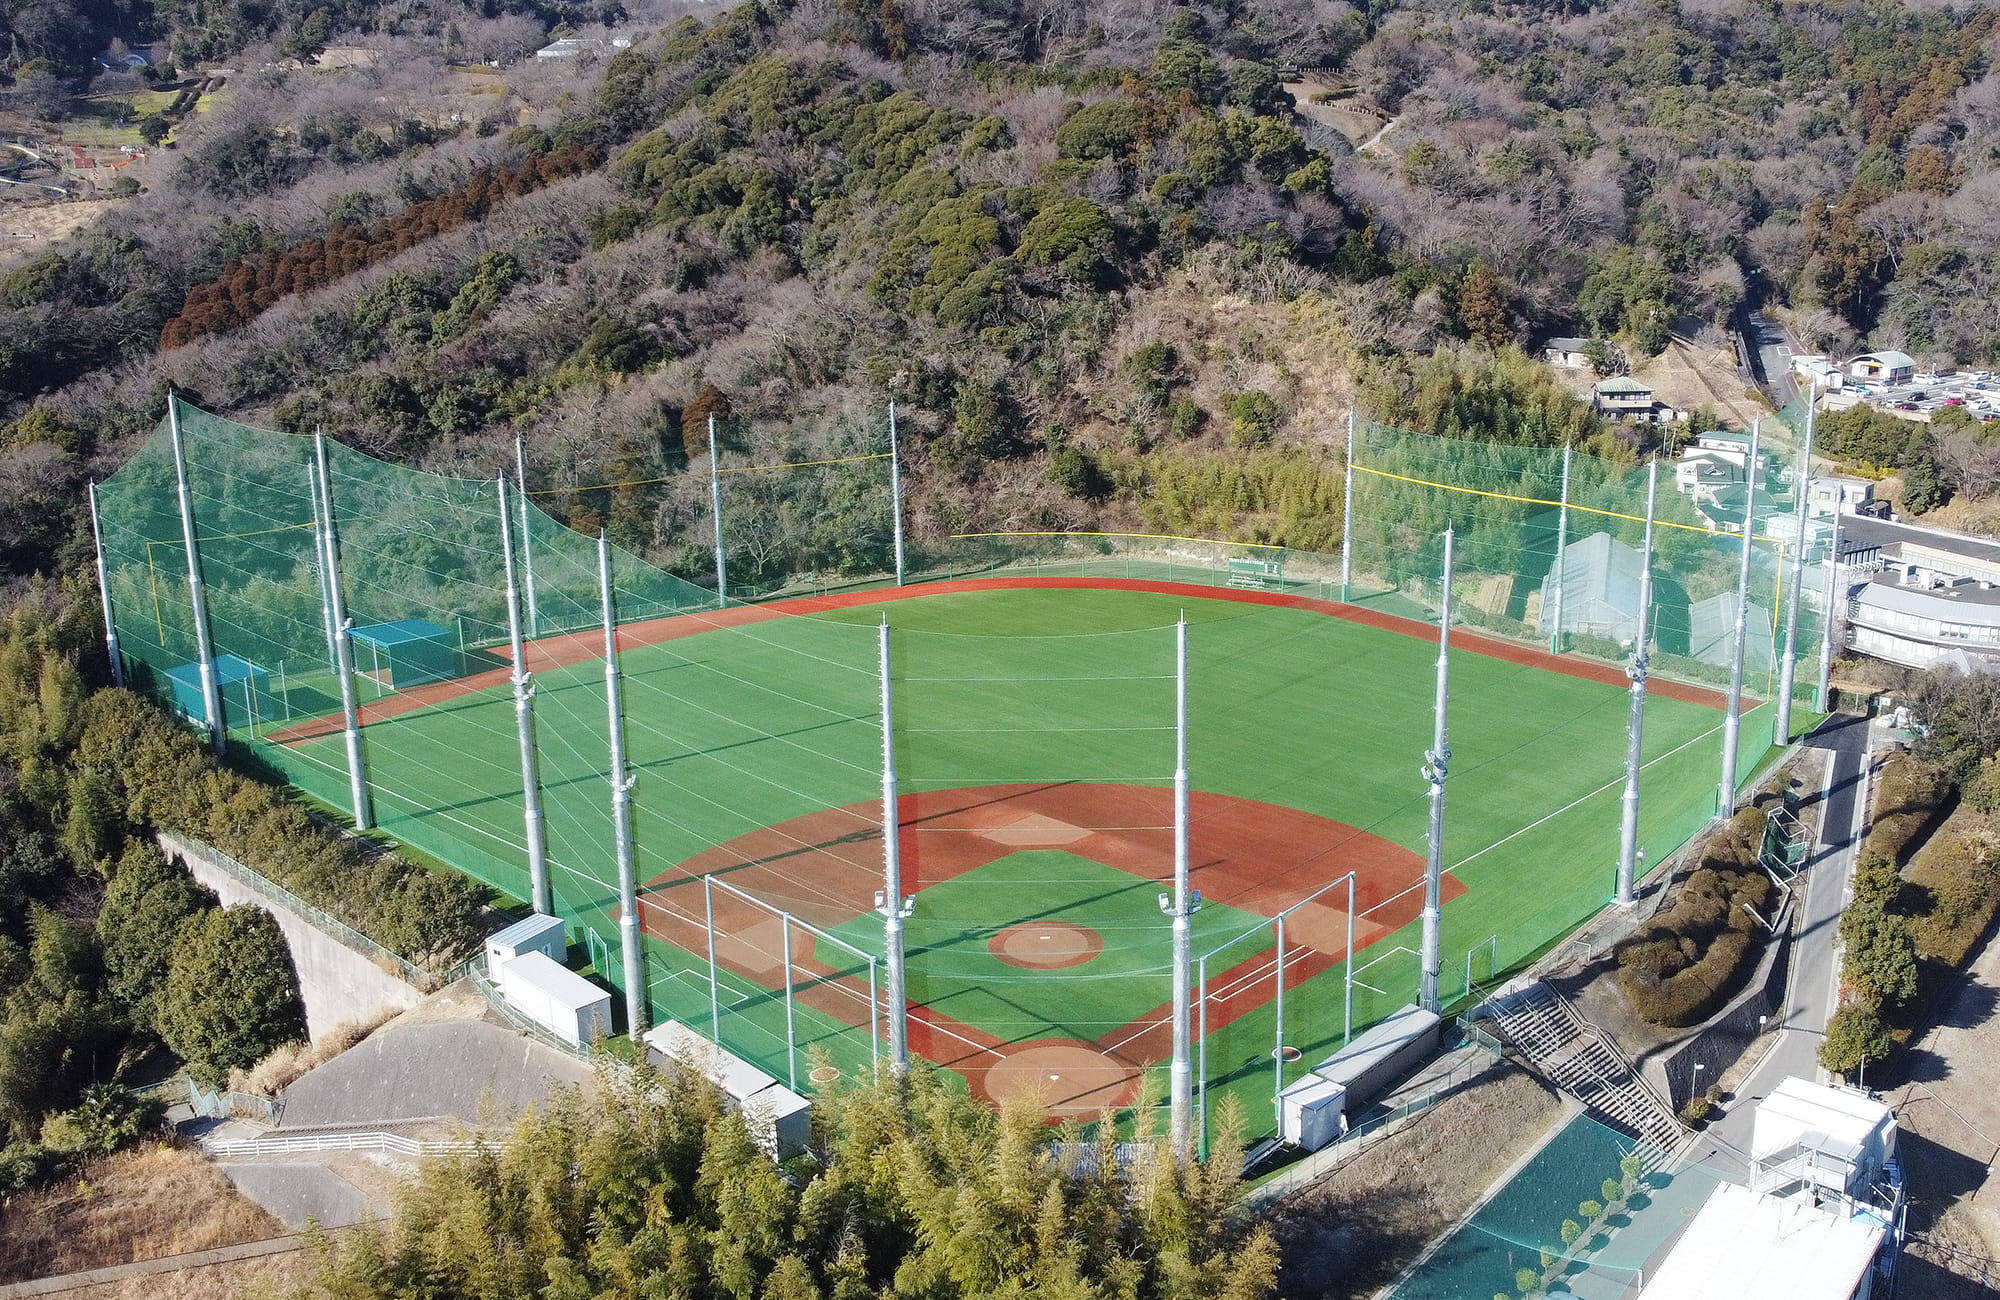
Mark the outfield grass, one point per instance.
(738, 729)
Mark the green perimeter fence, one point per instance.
(757, 744)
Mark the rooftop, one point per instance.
(1743, 1244)
(1621, 384)
(1889, 360)
(1970, 604)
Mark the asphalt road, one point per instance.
(1814, 980)
(1770, 358)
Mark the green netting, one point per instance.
(1034, 737)
(1522, 1226)
(1511, 511)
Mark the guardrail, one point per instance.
(391, 1142)
(212, 1104)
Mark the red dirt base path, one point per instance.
(824, 867)
(582, 647)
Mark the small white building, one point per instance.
(575, 47)
(1568, 353)
(1821, 1218)
(1818, 372)
(1743, 1244)
(1830, 495)
(556, 998)
(1880, 368)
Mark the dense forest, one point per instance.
(1110, 259)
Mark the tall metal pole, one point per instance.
(1347, 518)
(1826, 631)
(1437, 760)
(358, 794)
(621, 810)
(1731, 724)
(1180, 1115)
(527, 538)
(1635, 731)
(715, 508)
(211, 692)
(896, 489)
(1562, 547)
(524, 726)
(1787, 666)
(104, 590)
(891, 903)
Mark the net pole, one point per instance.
(1201, 1082)
(1787, 668)
(891, 903)
(791, 1027)
(1635, 734)
(715, 508)
(621, 809)
(1731, 723)
(715, 987)
(1436, 761)
(1347, 518)
(1180, 1115)
(1826, 632)
(1347, 997)
(211, 690)
(343, 646)
(896, 490)
(524, 723)
(1278, 1048)
(874, 1010)
(1562, 545)
(527, 539)
(104, 591)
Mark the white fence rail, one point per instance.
(391, 1142)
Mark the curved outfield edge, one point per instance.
(582, 647)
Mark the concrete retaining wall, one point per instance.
(339, 982)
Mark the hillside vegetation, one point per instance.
(1092, 250)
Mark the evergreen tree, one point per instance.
(231, 994)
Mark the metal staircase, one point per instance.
(1571, 1053)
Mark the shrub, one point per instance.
(1590, 1210)
(1697, 1110)
(232, 994)
(1612, 1190)
(1526, 1280)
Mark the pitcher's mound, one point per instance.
(1046, 945)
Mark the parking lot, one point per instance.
(1978, 391)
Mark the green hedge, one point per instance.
(161, 776)
(1680, 967)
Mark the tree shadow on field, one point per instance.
(1334, 1247)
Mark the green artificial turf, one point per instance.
(956, 974)
(736, 729)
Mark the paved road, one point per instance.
(1814, 974)
(1770, 357)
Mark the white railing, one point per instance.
(391, 1142)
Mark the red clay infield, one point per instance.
(582, 647)
(823, 868)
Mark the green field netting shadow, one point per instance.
(756, 745)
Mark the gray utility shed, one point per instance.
(1600, 589)
(1712, 633)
